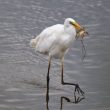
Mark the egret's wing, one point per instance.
(49, 32)
(48, 37)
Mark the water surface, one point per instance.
(23, 72)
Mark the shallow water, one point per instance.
(23, 72)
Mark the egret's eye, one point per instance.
(71, 23)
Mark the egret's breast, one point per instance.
(58, 51)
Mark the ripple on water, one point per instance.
(13, 100)
(4, 106)
(13, 89)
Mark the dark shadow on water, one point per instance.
(75, 100)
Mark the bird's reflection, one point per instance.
(75, 100)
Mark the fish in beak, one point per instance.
(81, 32)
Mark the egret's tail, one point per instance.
(33, 43)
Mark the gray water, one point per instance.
(23, 71)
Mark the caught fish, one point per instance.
(82, 33)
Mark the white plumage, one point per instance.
(55, 40)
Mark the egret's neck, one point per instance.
(71, 34)
(70, 30)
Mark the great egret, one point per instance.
(55, 41)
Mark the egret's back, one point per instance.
(47, 38)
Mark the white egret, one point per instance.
(55, 41)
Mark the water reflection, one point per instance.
(75, 100)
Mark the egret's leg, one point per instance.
(47, 92)
(77, 88)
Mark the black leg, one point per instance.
(77, 88)
(47, 92)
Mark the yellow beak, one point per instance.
(76, 25)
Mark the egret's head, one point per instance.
(72, 22)
(69, 22)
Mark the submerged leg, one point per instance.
(77, 88)
(47, 92)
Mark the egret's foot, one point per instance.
(78, 89)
